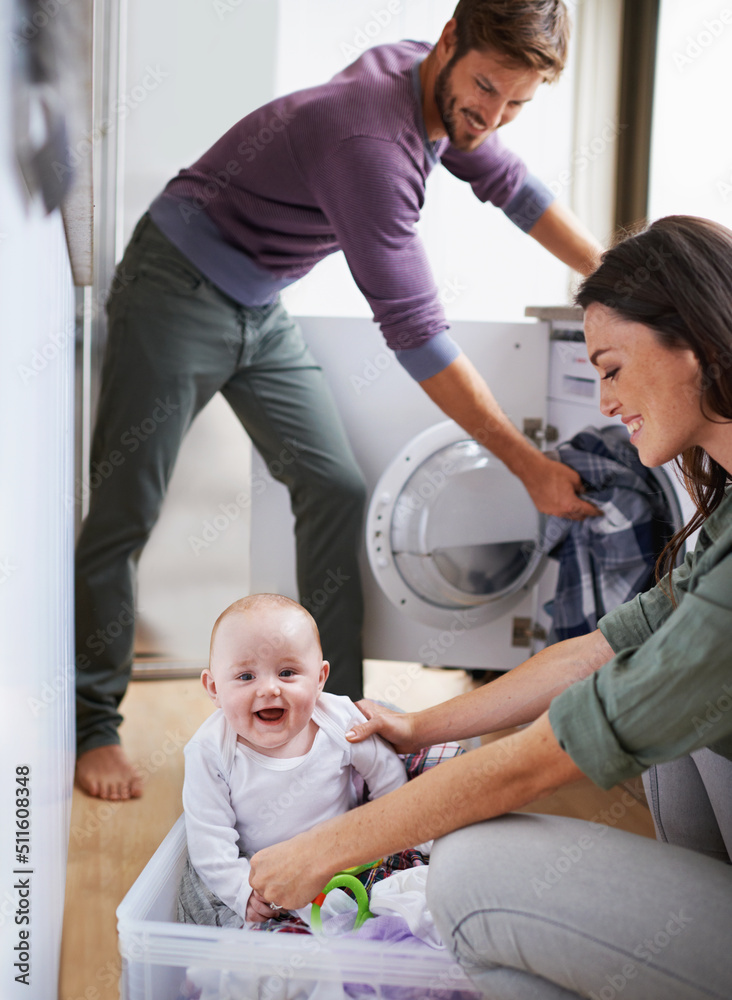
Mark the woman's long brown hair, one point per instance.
(675, 277)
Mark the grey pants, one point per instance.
(549, 908)
(196, 904)
(174, 341)
(691, 803)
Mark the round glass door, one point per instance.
(464, 532)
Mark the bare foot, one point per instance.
(106, 773)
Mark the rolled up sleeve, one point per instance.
(659, 700)
(529, 203)
(634, 623)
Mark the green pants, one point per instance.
(175, 340)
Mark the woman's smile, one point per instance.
(652, 388)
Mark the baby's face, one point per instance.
(266, 673)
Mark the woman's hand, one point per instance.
(290, 874)
(258, 909)
(396, 727)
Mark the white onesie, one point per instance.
(237, 799)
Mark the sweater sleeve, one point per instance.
(372, 195)
(213, 842)
(500, 176)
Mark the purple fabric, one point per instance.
(394, 931)
(338, 166)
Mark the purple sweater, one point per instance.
(341, 166)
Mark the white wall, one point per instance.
(36, 536)
(212, 62)
(691, 169)
(215, 62)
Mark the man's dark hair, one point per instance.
(534, 33)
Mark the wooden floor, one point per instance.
(110, 843)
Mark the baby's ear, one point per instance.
(324, 671)
(209, 683)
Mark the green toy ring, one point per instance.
(343, 881)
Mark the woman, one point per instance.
(550, 907)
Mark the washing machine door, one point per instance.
(450, 528)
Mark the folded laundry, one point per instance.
(605, 561)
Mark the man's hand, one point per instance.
(291, 873)
(396, 727)
(258, 909)
(460, 392)
(554, 486)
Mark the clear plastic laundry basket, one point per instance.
(165, 960)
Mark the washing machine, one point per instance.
(450, 563)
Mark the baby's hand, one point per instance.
(258, 909)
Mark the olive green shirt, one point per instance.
(668, 690)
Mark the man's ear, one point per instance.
(324, 671)
(447, 41)
(209, 683)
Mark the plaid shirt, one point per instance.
(605, 561)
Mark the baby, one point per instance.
(273, 761)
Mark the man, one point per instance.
(340, 166)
